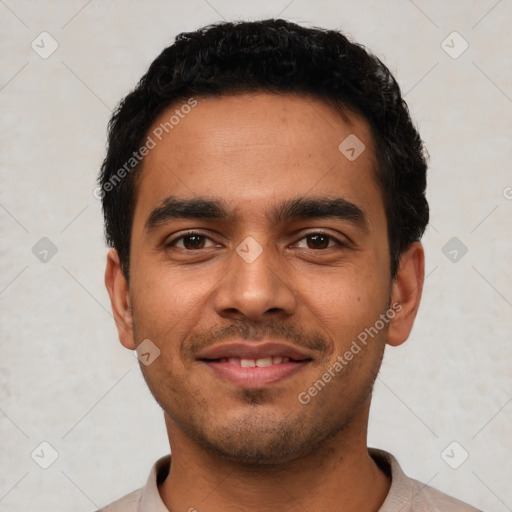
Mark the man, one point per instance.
(264, 198)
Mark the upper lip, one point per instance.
(253, 351)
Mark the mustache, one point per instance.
(313, 340)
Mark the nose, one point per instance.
(255, 290)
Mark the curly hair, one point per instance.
(275, 56)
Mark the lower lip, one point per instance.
(255, 376)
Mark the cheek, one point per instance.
(168, 303)
(349, 295)
(162, 289)
(346, 303)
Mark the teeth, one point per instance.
(265, 361)
(252, 363)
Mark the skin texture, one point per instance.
(237, 448)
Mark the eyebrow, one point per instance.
(174, 207)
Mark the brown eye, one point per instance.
(318, 241)
(190, 242)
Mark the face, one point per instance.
(259, 253)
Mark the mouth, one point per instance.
(254, 365)
(250, 373)
(262, 362)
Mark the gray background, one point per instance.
(65, 379)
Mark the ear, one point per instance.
(406, 293)
(117, 288)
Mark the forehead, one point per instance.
(250, 149)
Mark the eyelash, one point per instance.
(173, 242)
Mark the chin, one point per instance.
(263, 439)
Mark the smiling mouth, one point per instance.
(261, 362)
(255, 373)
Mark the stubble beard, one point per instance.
(259, 439)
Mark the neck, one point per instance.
(339, 475)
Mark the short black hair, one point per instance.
(275, 56)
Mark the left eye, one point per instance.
(318, 241)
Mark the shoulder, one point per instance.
(427, 498)
(409, 495)
(146, 499)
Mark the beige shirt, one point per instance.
(405, 494)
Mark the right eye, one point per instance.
(191, 241)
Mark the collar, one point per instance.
(405, 494)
